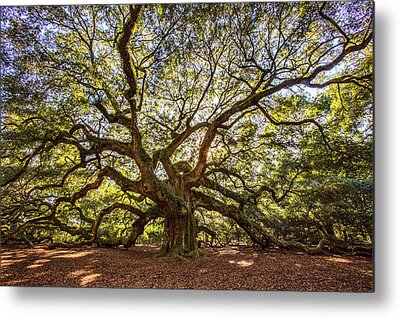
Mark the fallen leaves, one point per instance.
(230, 268)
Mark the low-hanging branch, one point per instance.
(254, 229)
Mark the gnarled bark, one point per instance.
(180, 236)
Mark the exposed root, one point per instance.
(67, 245)
(179, 254)
(17, 239)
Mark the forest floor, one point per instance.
(230, 268)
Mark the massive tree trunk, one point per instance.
(180, 234)
(180, 227)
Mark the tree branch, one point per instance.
(127, 64)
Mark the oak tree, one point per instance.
(115, 116)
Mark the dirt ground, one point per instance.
(233, 268)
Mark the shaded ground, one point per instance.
(225, 268)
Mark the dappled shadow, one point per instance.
(358, 264)
(225, 268)
(41, 267)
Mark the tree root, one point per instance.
(179, 254)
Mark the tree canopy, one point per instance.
(236, 122)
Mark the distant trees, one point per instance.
(204, 116)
